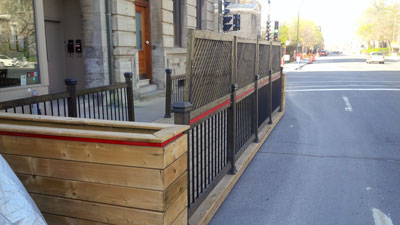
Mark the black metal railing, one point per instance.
(112, 102)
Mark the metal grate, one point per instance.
(207, 156)
(106, 105)
(244, 122)
(245, 64)
(211, 71)
(276, 94)
(263, 96)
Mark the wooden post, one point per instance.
(232, 129)
(71, 88)
(255, 110)
(168, 93)
(182, 112)
(130, 98)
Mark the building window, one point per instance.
(198, 14)
(18, 45)
(178, 22)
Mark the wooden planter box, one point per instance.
(99, 172)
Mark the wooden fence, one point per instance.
(232, 88)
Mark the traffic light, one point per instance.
(224, 7)
(276, 30)
(236, 22)
(226, 25)
(268, 34)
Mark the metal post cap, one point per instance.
(70, 81)
(128, 74)
(168, 71)
(181, 107)
(234, 87)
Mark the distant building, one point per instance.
(250, 16)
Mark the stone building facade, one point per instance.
(97, 41)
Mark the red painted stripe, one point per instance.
(91, 140)
(208, 112)
(251, 90)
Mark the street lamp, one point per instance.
(298, 25)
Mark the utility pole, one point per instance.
(297, 42)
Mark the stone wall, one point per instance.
(124, 40)
(94, 34)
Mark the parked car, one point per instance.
(376, 57)
(324, 53)
(7, 61)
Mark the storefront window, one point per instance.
(18, 45)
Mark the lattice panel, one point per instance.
(276, 59)
(246, 64)
(211, 71)
(264, 60)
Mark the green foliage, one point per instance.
(309, 33)
(385, 51)
(380, 22)
(283, 33)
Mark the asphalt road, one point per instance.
(334, 159)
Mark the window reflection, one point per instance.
(18, 46)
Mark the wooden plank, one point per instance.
(99, 193)
(138, 156)
(81, 133)
(81, 121)
(62, 220)
(175, 150)
(176, 209)
(175, 170)
(182, 219)
(79, 126)
(175, 190)
(96, 212)
(96, 173)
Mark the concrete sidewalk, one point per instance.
(150, 110)
(293, 66)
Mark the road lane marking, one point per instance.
(343, 81)
(380, 218)
(348, 107)
(344, 89)
(344, 85)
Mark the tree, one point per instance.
(380, 22)
(310, 34)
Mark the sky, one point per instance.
(338, 18)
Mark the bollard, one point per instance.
(168, 93)
(71, 101)
(130, 98)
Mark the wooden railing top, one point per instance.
(130, 133)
